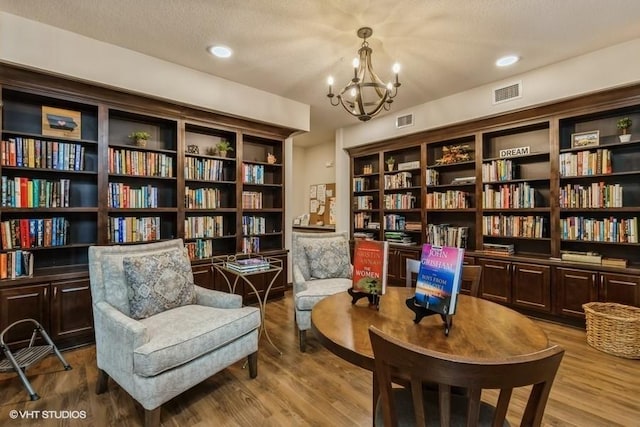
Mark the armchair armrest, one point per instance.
(120, 336)
(299, 283)
(217, 299)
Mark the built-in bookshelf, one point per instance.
(600, 185)
(516, 176)
(366, 197)
(49, 180)
(210, 190)
(134, 166)
(450, 192)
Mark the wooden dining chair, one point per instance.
(416, 405)
(470, 274)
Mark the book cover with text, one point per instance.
(439, 278)
(370, 266)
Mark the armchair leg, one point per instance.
(103, 380)
(253, 364)
(303, 340)
(152, 417)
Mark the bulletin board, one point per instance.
(322, 204)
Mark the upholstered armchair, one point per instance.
(321, 267)
(158, 334)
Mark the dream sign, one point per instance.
(511, 152)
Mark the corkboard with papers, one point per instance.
(322, 199)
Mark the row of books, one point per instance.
(254, 225)
(250, 245)
(363, 202)
(593, 258)
(363, 235)
(433, 177)
(123, 196)
(20, 192)
(252, 200)
(203, 227)
(450, 199)
(34, 232)
(361, 220)
(585, 163)
(447, 235)
(398, 180)
(613, 230)
(360, 184)
(202, 198)
(529, 226)
(140, 163)
(498, 170)
(35, 153)
(248, 265)
(509, 196)
(394, 222)
(597, 195)
(399, 201)
(252, 174)
(133, 229)
(200, 249)
(14, 264)
(203, 169)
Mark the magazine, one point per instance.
(439, 278)
(370, 260)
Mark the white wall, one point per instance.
(35, 45)
(603, 69)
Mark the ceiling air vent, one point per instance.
(507, 93)
(404, 121)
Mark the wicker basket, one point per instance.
(613, 328)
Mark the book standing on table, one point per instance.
(370, 266)
(439, 278)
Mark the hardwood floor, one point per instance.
(306, 389)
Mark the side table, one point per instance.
(275, 266)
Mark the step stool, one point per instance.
(25, 357)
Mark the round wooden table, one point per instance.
(481, 329)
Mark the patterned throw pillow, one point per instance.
(158, 282)
(329, 260)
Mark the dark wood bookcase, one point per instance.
(530, 202)
(118, 192)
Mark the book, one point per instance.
(586, 257)
(615, 262)
(247, 265)
(439, 278)
(370, 262)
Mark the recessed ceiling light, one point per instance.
(505, 61)
(220, 51)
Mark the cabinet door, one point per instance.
(71, 312)
(574, 288)
(620, 288)
(532, 286)
(203, 276)
(496, 280)
(465, 286)
(25, 302)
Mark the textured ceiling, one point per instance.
(290, 47)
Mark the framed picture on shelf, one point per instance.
(61, 123)
(585, 139)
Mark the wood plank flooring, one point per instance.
(307, 389)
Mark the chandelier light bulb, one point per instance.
(330, 81)
(353, 92)
(396, 68)
(356, 62)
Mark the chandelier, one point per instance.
(366, 94)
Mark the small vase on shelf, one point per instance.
(625, 137)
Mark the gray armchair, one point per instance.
(141, 293)
(321, 267)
